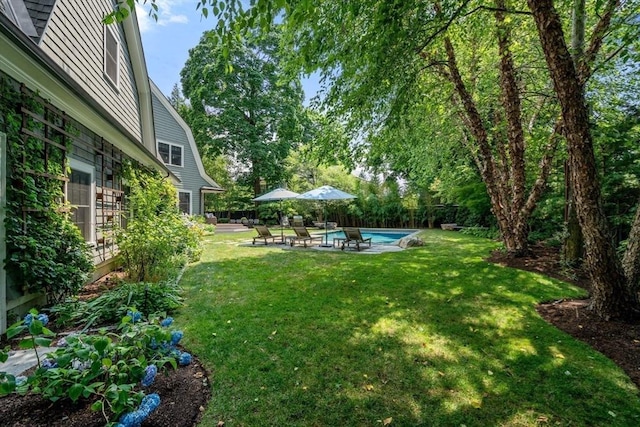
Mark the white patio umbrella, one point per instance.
(277, 195)
(325, 193)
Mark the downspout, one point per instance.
(3, 240)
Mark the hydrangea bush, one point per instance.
(111, 368)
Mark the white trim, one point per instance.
(105, 52)
(190, 200)
(91, 170)
(3, 245)
(192, 142)
(171, 145)
(141, 76)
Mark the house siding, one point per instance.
(78, 23)
(169, 130)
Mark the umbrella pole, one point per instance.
(281, 223)
(326, 232)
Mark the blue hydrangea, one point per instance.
(176, 336)
(153, 344)
(28, 319)
(62, 342)
(49, 364)
(21, 380)
(43, 318)
(149, 403)
(185, 359)
(133, 419)
(167, 322)
(149, 375)
(78, 365)
(136, 316)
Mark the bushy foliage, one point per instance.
(45, 250)
(484, 232)
(158, 239)
(111, 369)
(110, 306)
(51, 256)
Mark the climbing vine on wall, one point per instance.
(45, 250)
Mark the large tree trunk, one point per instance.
(572, 250)
(501, 157)
(611, 297)
(631, 260)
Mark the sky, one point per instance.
(167, 41)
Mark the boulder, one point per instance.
(410, 242)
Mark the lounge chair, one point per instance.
(353, 239)
(265, 234)
(302, 235)
(297, 221)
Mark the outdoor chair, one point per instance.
(353, 239)
(265, 234)
(297, 221)
(302, 235)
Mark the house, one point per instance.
(177, 149)
(81, 92)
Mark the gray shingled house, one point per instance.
(177, 149)
(92, 92)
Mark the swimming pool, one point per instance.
(378, 236)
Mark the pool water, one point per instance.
(377, 236)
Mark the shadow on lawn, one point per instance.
(430, 336)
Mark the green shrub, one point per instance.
(109, 307)
(109, 369)
(158, 239)
(484, 232)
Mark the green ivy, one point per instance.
(45, 251)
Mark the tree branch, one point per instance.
(446, 25)
(584, 67)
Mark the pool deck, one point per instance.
(378, 248)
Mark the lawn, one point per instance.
(431, 336)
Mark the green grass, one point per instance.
(432, 336)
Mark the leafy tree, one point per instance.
(244, 105)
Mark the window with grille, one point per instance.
(184, 202)
(171, 154)
(80, 194)
(111, 56)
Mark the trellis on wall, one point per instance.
(43, 137)
(109, 199)
(58, 130)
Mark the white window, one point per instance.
(184, 202)
(111, 56)
(171, 154)
(81, 194)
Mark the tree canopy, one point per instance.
(245, 105)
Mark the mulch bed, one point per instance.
(619, 341)
(184, 394)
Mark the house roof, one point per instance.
(14, 25)
(18, 13)
(40, 12)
